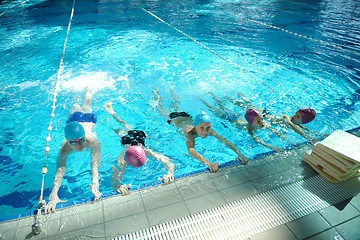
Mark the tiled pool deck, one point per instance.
(118, 215)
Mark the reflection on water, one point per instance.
(123, 53)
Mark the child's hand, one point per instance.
(213, 167)
(51, 205)
(278, 150)
(243, 160)
(95, 191)
(124, 189)
(167, 178)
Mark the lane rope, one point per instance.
(215, 53)
(228, 61)
(302, 36)
(42, 202)
(13, 7)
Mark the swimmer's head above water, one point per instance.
(303, 115)
(255, 118)
(75, 135)
(135, 156)
(202, 124)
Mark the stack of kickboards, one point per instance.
(337, 157)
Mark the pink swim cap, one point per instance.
(307, 114)
(135, 156)
(251, 114)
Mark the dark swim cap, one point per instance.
(74, 130)
(251, 114)
(307, 114)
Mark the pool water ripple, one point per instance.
(123, 53)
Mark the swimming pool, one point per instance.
(123, 53)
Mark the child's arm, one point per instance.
(297, 129)
(258, 140)
(95, 148)
(325, 135)
(279, 134)
(308, 130)
(117, 176)
(223, 140)
(169, 177)
(60, 172)
(190, 144)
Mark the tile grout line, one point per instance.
(299, 195)
(103, 213)
(334, 226)
(183, 200)
(145, 210)
(355, 206)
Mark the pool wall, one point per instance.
(118, 215)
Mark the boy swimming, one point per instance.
(191, 128)
(79, 134)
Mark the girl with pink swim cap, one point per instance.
(296, 122)
(302, 116)
(134, 154)
(254, 121)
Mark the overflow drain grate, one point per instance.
(249, 216)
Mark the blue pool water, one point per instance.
(123, 53)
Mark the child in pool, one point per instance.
(254, 122)
(192, 128)
(296, 122)
(79, 134)
(129, 138)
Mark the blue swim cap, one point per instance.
(74, 130)
(202, 117)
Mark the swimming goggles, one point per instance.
(74, 142)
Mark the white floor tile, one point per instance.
(160, 196)
(126, 225)
(238, 192)
(204, 202)
(167, 213)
